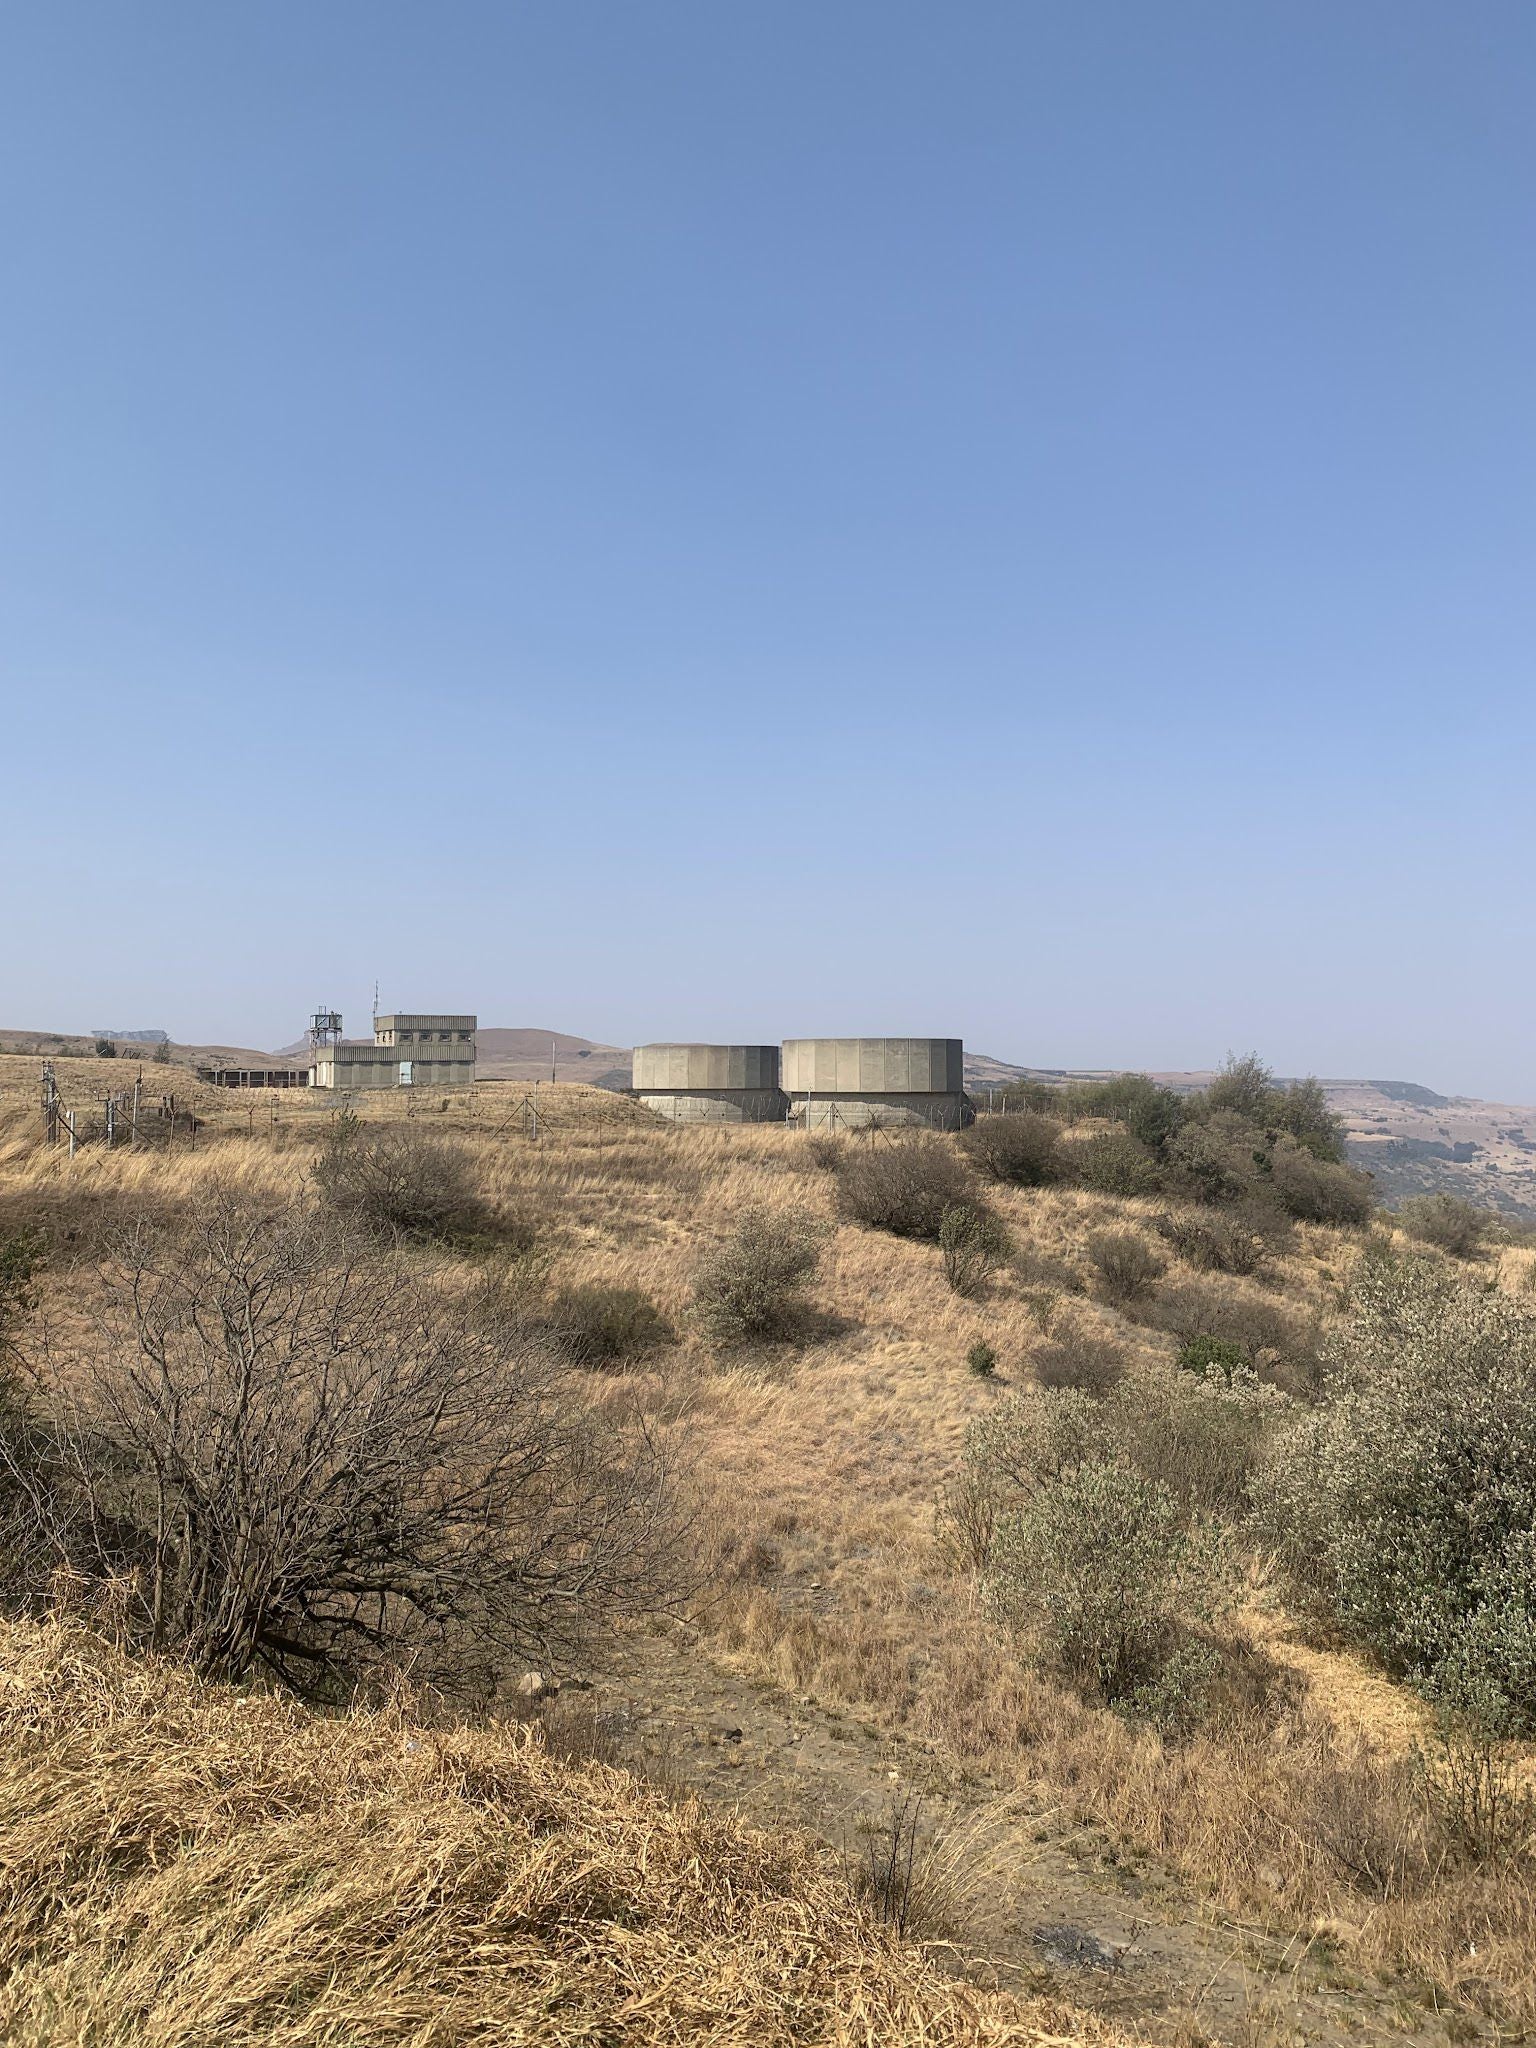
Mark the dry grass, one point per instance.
(187, 1865)
(824, 1464)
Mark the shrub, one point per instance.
(298, 1460)
(1080, 1358)
(1277, 1342)
(1126, 1264)
(1215, 1242)
(824, 1151)
(607, 1325)
(21, 1254)
(982, 1359)
(1097, 1567)
(1111, 1163)
(902, 1185)
(1406, 1505)
(1216, 1358)
(105, 1049)
(753, 1285)
(1446, 1222)
(1149, 1112)
(1021, 1150)
(1317, 1191)
(1246, 1087)
(1203, 1436)
(974, 1244)
(394, 1182)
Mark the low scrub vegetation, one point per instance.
(609, 1326)
(1447, 1223)
(903, 1185)
(397, 1182)
(1404, 1506)
(974, 1244)
(1021, 1149)
(288, 1454)
(754, 1285)
(1126, 1265)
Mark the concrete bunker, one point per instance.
(855, 1083)
(710, 1084)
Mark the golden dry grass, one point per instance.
(824, 1462)
(185, 1865)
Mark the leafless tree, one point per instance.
(303, 1457)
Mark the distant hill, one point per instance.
(504, 1053)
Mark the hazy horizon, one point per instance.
(691, 523)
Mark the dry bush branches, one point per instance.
(299, 1456)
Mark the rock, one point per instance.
(532, 1686)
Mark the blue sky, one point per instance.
(709, 521)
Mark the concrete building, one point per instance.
(405, 1052)
(855, 1082)
(710, 1084)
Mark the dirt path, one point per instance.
(1049, 1906)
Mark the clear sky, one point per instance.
(721, 521)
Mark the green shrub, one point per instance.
(393, 1181)
(1021, 1150)
(1446, 1222)
(753, 1285)
(1279, 1343)
(902, 1185)
(1205, 1437)
(1126, 1265)
(1098, 1569)
(982, 1359)
(1405, 1506)
(1111, 1163)
(1216, 1358)
(974, 1244)
(609, 1325)
(1315, 1190)
(1149, 1112)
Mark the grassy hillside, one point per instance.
(1294, 1831)
(188, 1865)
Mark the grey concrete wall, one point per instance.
(728, 1106)
(873, 1066)
(378, 1066)
(933, 1110)
(704, 1069)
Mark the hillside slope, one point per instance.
(188, 1865)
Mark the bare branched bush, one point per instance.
(1022, 1150)
(1079, 1356)
(394, 1181)
(1126, 1265)
(754, 1284)
(974, 1244)
(1217, 1241)
(604, 1326)
(1448, 1223)
(298, 1458)
(903, 1185)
